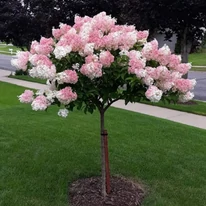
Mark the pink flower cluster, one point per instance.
(66, 95)
(106, 58)
(40, 103)
(92, 70)
(21, 61)
(92, 47)
(184, 85)
(153, 94)
(142, 36)
(42, 67)
(45, 46)
(136, 64)
(26, 97)
(67, 76)
(168, 75)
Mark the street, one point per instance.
(200, 88)
(5, 62)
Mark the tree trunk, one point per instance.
(184, 49)
(104, 157)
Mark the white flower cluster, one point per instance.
(43, 72)
(89, 49)
(62, 51)
(186, 97)
(63, 113)
(50, 95)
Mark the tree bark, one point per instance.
(184, 49)
(104, 157)
(104, 193)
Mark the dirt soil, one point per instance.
(87, 192)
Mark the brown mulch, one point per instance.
(188, 103)
(87, 192)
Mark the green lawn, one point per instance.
(28, 78)
(198, 107)
(198, 59)
(4, 49)
(200, 69)
(41, 154)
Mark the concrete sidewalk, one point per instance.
(32, 85)
(172, 115)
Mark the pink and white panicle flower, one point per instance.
(26, 97)
(136, 64)
(165, 85)
(150, 50)
(142, 36)
(183, 68)
(40, 103)
(63, 113)
(174, 61)
(89, 49)
(43, 67)
(21, 61)
(45, 46)
(106, 58)
(66, 95)
(39, 59)
(184, 85)
(92, 70)
(163, 55)
(62, 51)
(153, 94)
(94, 46)
(67, 76)
(80, 21)
(186, 97)
(148, 80)
(91, 58)
(64, 28)
(103, 22)
(50, 95)
(128, 39)
(57, 33)
(43, 72)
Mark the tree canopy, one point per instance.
(23, 21)
(185, 18)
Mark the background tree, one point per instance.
(14, 23)
(21, 22)
(181, 17)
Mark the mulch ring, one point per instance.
(87, 192)
(188, 103)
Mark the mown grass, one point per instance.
(4, 49)
(41, 154)
(196, 107)
(200, 69)
(198, 59)
(28, 78)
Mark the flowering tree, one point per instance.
(95, 62)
